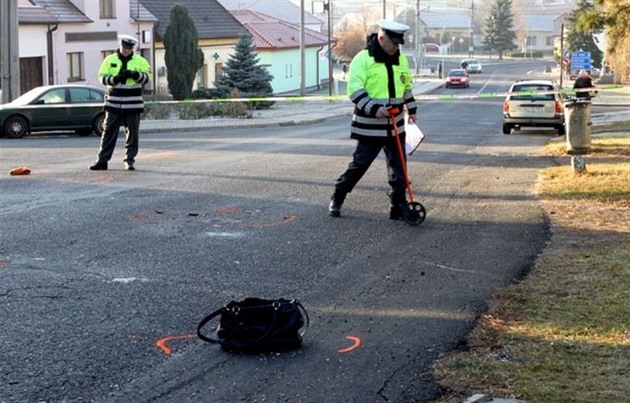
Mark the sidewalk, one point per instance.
(281, 114)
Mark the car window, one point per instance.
(84, 95)
(457, 73)
(534, 90)
(54, 96)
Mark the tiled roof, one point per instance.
(281, 9)
(139, 13)
(36, 15)
(271, 33)
(62, 10)
(212, 21)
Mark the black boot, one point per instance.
(398, 204)
(99, 166)
(336, 201)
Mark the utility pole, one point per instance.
(417, 37)
(471, 44)
(302, 58)
(561, 53)
(9, 51)
(384, 9)
(418, 54)
(328, 7)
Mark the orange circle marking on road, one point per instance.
(161, 344)
(356, 343)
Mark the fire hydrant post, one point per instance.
(577, 120)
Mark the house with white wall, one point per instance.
(65, 41)
(536, 33)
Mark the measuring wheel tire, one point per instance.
(416, 214)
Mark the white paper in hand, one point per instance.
(413, 137)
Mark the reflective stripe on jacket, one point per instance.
(127, 96)
(377, 79)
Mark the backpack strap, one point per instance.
(204, 321)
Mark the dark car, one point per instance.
(457, 78)
(54, 108)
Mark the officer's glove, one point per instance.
(135, 75)
(118, 79)
(382, 112)
(125, 74)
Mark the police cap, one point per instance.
(394, 30)
(127, 41)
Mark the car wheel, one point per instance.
(99, 125)
(561, 131)
(15, 127)
(507, 129)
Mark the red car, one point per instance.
(457, 78)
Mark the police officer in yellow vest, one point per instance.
(380, 78)
(124, 73)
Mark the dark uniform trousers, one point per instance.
(365, 153)
(113, 121)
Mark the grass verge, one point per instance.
(563, 333)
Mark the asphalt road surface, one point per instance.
(105, 275)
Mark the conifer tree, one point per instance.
(243, 72)
(182, 56)
(581, 38)
(499, 32)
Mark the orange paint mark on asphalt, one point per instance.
(161, 344)
(286, 218)
(356, 343)
(3, 263)
(228, 210)
(140, 215)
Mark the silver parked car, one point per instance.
(533, 103)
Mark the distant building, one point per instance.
(277, 43)
(448, 26)
(537, 33)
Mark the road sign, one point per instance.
(581, 60)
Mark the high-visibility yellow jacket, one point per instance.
(124, 97)
(378, 79)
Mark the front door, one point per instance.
(31, 73)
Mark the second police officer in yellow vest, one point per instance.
(124, 73)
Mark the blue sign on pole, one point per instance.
(581, 60)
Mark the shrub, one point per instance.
(157, 111)
(206, 93)
(196, 110)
